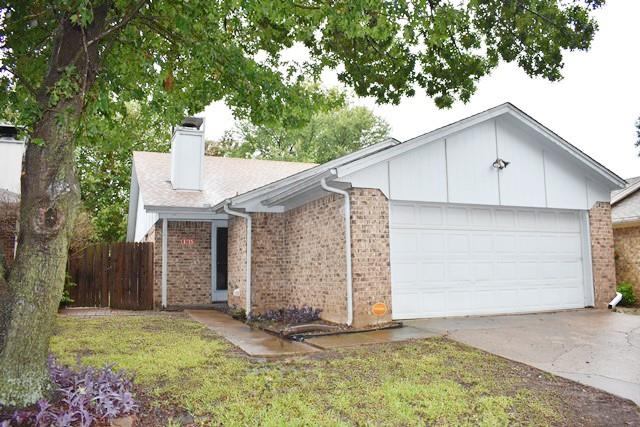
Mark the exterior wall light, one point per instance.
(500, 164)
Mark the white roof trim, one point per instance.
(301, 178)
(458, 126)
(626, 192)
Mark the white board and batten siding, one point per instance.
(458, 169)
(469, 239)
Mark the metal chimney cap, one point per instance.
(192, 122)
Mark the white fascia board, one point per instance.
(296, 189)
(191, 216)
(625, 193)
(418, 141)
(281, 185)
(132, 216)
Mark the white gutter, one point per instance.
(165, 256)
(616, 300)
(347, 241)
(247, 219)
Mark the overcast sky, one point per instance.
(594, 107)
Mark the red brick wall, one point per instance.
(155, 236)
(627, 255)
(268, 261)
(315, 265)
(370, 254)
(8, 228)
(188, 263)
(604, 270)
(299, 257)
(236, 264)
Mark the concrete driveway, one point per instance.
(593, 347)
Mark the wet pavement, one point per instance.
(370, 337)
(593, 347)
(252, 341)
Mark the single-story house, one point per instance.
(625, 214)
(491, 214)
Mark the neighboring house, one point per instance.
(492, 214)
(625, 214)
(11, 153)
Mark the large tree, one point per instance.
(67, 62)
(103, 164)
(327, 135)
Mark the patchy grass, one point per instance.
(182, 365)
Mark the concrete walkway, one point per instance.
(252, 341)
(593, 347)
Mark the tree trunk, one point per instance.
(50, 195)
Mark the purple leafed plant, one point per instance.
(82, 398)
(290, 316)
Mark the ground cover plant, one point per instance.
(81, 397)
(628, 295)
(290, 315)
(183, 368)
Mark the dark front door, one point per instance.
(221, 262)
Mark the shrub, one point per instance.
(293, 315)
(237, 313)
(85, 397)
(66, 292)
(628, 295)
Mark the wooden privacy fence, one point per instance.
(116, 275)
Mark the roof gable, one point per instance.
(490, 114)
(286, 190)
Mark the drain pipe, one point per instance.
(347, 240)
(247, 219)
(616, 300)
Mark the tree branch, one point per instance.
(127, 18)
(32, 90)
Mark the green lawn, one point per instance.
(186, 367)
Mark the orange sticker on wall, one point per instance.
(379, 309)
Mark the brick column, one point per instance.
(602, 257)
(268, 290)
(370, 255)
(236, 267)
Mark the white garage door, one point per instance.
(451, 260)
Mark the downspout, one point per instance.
(247, 219)
(347, 240)
(615, 301)
(165, 253)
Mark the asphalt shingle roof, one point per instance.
(223, 177)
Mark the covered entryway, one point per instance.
(453, 260)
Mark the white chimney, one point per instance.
(187, 154)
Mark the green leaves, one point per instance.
(174, 58)
(326, 136)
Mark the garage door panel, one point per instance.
(459, 260)
(430, 215)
